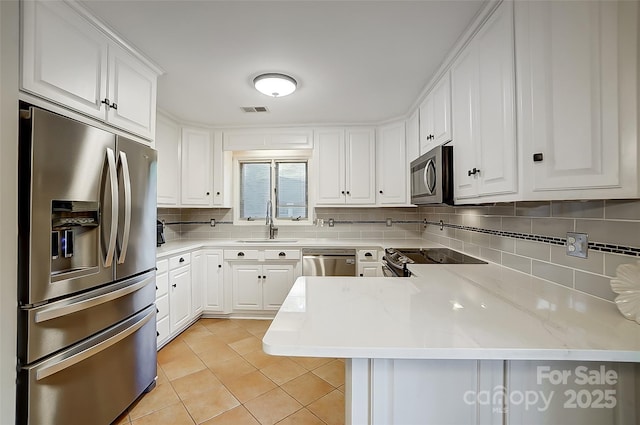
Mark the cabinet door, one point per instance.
(413, 136)
(198, 279)
(464, 88)
(277, 282)
(361, 177)
(441, 128)
(179, 297)
(496, 104)
(329, 153)
(369, 270)
(196, 167)
(483, 105)
(391, 168)
(132, 91)
(247, 286)
(213, 280)
(426, 125)
(64, 57)
(168, 147)
(568, 82)
(222, 163)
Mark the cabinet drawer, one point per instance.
(240, 254)
(162, 266)
(282, 254)
(162, 330)
(179, 260)
(162, 284)
(367, 255)
(162, 304)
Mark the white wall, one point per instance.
(9, 31)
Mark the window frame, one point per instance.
(273, 157)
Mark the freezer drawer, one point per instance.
(54, 326)
(94, 381)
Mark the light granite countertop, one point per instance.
(176, 247)
(449, 312)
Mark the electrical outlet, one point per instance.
(331, 222)
(389, 222)
(212, 223)
(577, 244)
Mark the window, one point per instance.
(283, 182)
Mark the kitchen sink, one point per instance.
(267, 240)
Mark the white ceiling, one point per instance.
(355, 62)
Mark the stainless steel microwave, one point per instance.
(432, 177)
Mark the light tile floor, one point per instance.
(216, 373)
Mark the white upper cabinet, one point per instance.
(268, 138)
(330, 163)
(69, 60)
(361, 177)
(55, 41)
(168, 147)
(222, 171)
(132, 93)
(483, 111)
(435, 116)
(197, 160)
(345, 164)
(577, 81)
(390, 162)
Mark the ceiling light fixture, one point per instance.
(275, 85)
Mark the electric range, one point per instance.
(395, 260)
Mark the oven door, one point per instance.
(390, 269)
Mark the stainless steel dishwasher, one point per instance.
(328, 262)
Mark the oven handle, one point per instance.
(83, 355)
(59, 311)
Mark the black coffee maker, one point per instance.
(160, 233)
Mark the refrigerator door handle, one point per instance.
(126, 177)
(63, 310)
(95, 349)
(111, 160)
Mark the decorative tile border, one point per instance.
(596, 246)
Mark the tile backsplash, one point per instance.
(526, 236)
(350, 223)
(530, 237)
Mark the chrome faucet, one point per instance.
(273, 231)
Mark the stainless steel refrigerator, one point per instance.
(86, 271)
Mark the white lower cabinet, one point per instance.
(198, 276)
(261, 287)
(162, 301)
(213, 282)
(368, 265)
(179, 297)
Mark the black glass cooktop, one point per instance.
(436, 256)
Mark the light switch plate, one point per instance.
(577, 244)
(389, 222)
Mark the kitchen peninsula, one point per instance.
(466, 344)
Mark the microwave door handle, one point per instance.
(111, 247)
(83, 355)
(126, 177)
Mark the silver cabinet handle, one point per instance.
(126, 176)
(63, 310)
(113, 177)
(83, 355)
